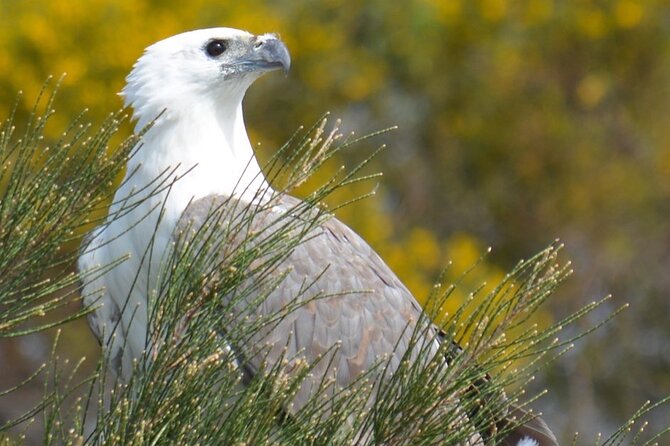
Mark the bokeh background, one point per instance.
(520, 121)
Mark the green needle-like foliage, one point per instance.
(50, 193)
(193, 385)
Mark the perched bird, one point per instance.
(190, 87)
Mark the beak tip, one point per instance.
(283, 56)
(271, 50)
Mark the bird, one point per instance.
(186, 93)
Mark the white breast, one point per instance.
(182, 158)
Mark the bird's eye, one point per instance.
(216, 48)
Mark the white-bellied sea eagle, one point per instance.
(190, 87)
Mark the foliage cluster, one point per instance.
(520, 121)
(186, 390)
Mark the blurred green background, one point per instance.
(519, 122)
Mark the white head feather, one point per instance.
(193, 99)
(177, 73)
(526, 441)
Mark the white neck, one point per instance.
(208, 146)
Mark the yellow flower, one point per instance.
(539, 10)
(493, 10)
(628, 13)
(592, 23)
(591, 90)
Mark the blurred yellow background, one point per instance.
(519, 122)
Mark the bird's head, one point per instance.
(215, 64)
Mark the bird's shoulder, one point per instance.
(323, 245)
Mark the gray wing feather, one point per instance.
(351, 298)
(360, 304)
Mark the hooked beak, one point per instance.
(266, 53)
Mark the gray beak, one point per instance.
(267, 54)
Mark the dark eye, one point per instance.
(216, 48)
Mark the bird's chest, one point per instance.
(147, 208)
